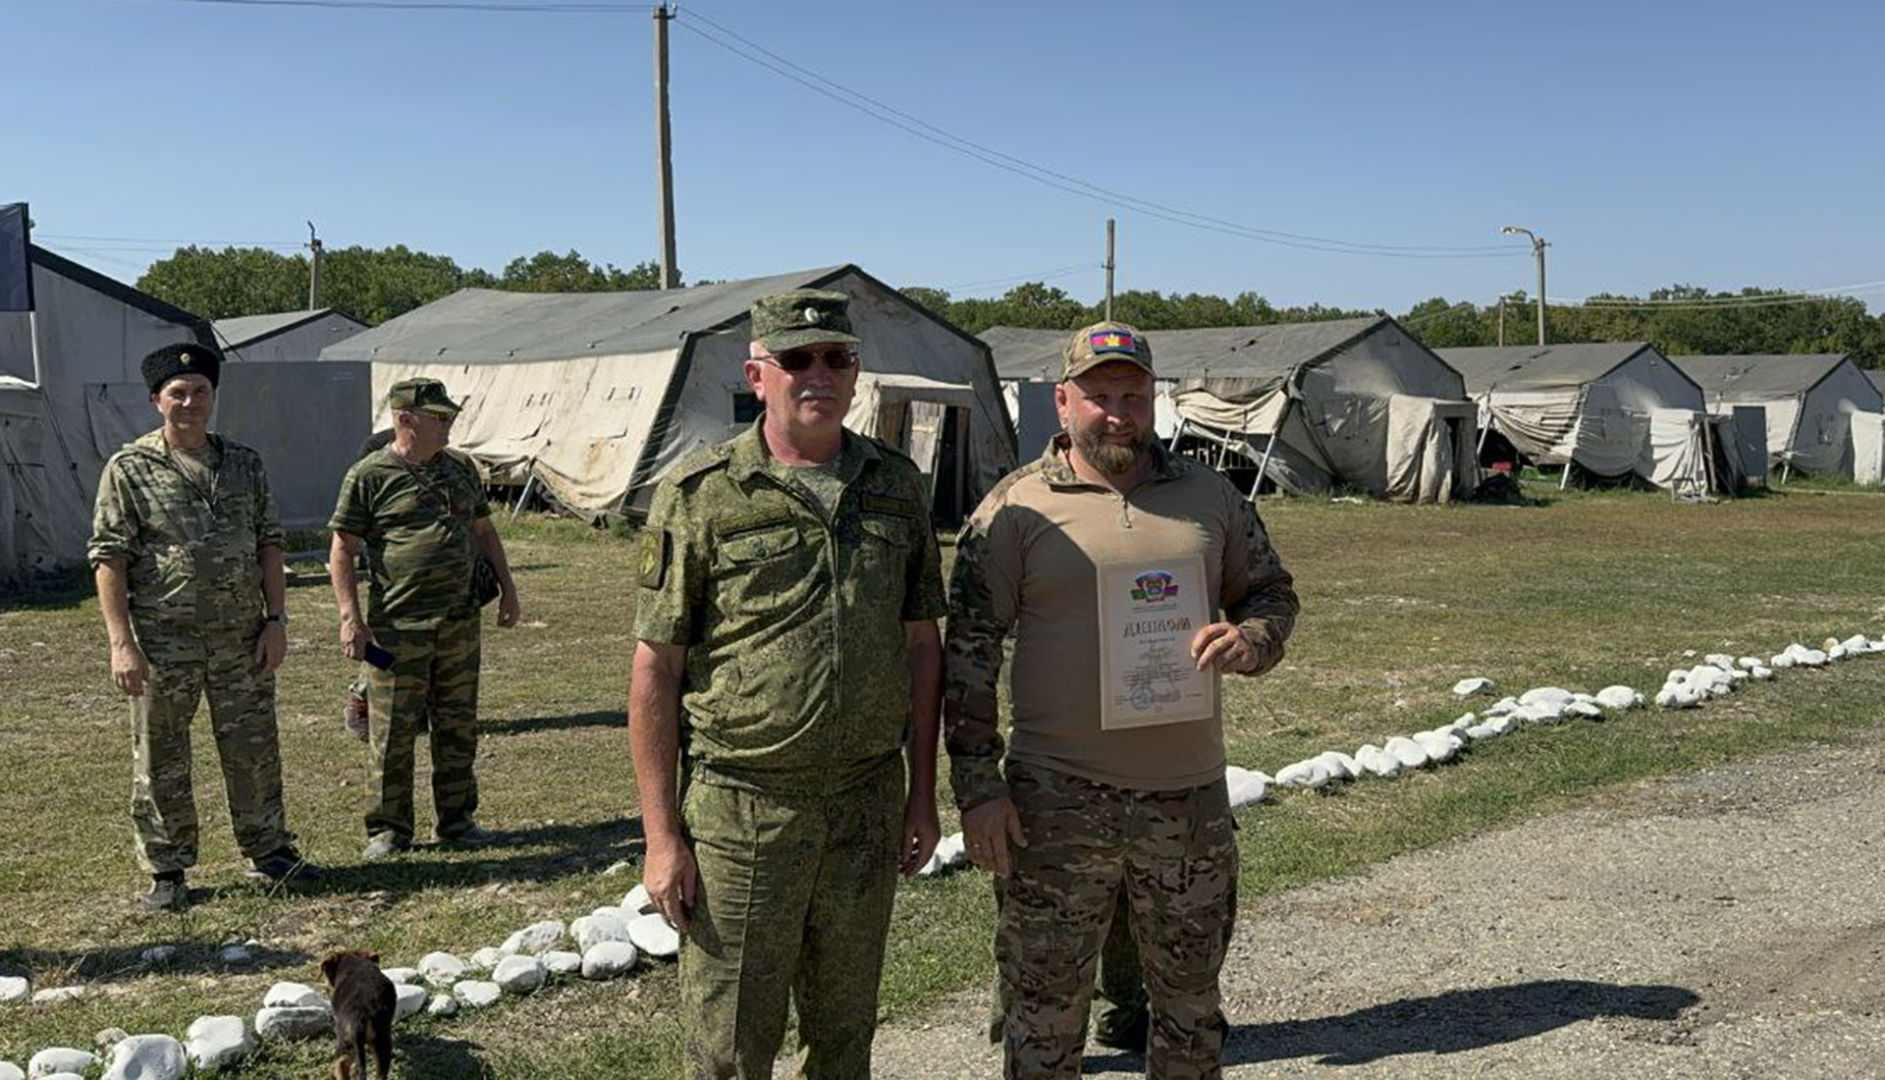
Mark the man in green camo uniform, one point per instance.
(186, 553)
(418, 509)
(788, 657)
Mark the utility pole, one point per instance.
(1538, 249)
(1502, 322)
(1109, 269)
(314, 269)
(664, 148)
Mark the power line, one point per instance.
(164, 241)
(555, 7)
(761, 56)
(1038, 275)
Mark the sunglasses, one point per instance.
(835, 357)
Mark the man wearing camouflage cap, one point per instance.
(186, 553)
(788, 658)
(418, 510)
(1078, 810)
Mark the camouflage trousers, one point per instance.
(434, 674)
(1120, 1004)
(1175, 855)
(185, 668)
(794, 906)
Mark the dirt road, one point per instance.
(1727, 924)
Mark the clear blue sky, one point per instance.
(1718, 144)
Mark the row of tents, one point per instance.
(588, 399)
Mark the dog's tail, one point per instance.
(360, 1056)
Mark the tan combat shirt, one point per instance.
(1026, 564)
(797, 677)
(190, 535)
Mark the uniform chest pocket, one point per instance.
(892, 531)
(762, 569)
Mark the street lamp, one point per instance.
(1538, 249)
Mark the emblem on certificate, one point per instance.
(1149, 611)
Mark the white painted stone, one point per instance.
(442, 1005)
(561, 962)
(536, 938)
(235, 954)
(951, 853)
(612, 912)
(1309, 774)
(407, 999)
(441, 969)
(1469, 687)
(1479, 732)
(58, 1059)
(52, 995)
(652, 935)
(291, 995)
(1781, 661)
(14, 988)
(1837, 652)
(592, 929)
(1855, 644)
(303, 1022)
(1339, 765)
(63, 1076)
(1439, 747)
(1761, 674)
(147, 1057)
(1500, 707)
(486, 958)
(403, 975)
(1542, 694)
(1720, 660)
(637, 902)
(476, 993)
(1737, 676)
(1245, 789)
(615, 868)
(609, 959)
(1584, 709)
(519, 975)
(10, 1071)
(1618, 698)
(1813, 658)
(158, 954)
(1377, 762)
(1409, 753)
(1678, 698)
(1749, 663)
(1502, 724)
(216, 1042)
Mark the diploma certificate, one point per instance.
(1149, 611)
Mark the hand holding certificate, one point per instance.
(1150, 612)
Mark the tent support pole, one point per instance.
(1172, 443)
(1564, 480)
(32, 331)
(524, 495)
(1485, 430)
(1269, 448)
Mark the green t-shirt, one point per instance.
(824, 481)
(416, 521)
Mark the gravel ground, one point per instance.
(1726, 924)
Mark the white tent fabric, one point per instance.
(598, 395)
(1677, 460)
(1868, 448)
(1807, 398)
(1428, 440)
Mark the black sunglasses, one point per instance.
(835, 357)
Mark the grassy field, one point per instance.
(1399, 602)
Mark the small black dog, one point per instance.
(364, 1002)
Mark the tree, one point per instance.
(224, 284)
(549, 272)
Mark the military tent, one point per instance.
(284, 335)
(1302, 406)
(1809, 401)
(595, 396)
(92, 333)
(1590, 405)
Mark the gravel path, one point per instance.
(1722, 925)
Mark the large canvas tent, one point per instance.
(595, 396)
(1809, 401)
(1591, 405)
(1304, 406)
(306, 420)
(283, 335)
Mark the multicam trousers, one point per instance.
(795, 905)
(186, 666)
(434, 674)
(1175, 852)
(1120, 1005)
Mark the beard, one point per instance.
(1112, 459)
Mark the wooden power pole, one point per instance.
(664, 148)
(1109, 269)
(314, 269)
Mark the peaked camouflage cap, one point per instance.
(427, 395)
(1102, 343)
(802, 317)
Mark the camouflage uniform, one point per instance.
(1119, 1011)
(1171, 848)
(796, 703)
(417, 524)
(196, 609)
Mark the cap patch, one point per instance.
(1110, 341)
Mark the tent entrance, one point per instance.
(932, 434)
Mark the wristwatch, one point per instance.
(280, 617)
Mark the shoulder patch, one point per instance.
(656, 548)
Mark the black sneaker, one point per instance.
(280, 865)
(471, 836)
(168, 893)
(1129, 1034)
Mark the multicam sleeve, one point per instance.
(114, 524)
(981, 612)
(268, 530)
(1259, 595)
(670, 566)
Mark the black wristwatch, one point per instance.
(279, 617)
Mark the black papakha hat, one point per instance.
(189, 358)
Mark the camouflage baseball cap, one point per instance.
(1102, 343)
(423, 394)
(802, 317)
